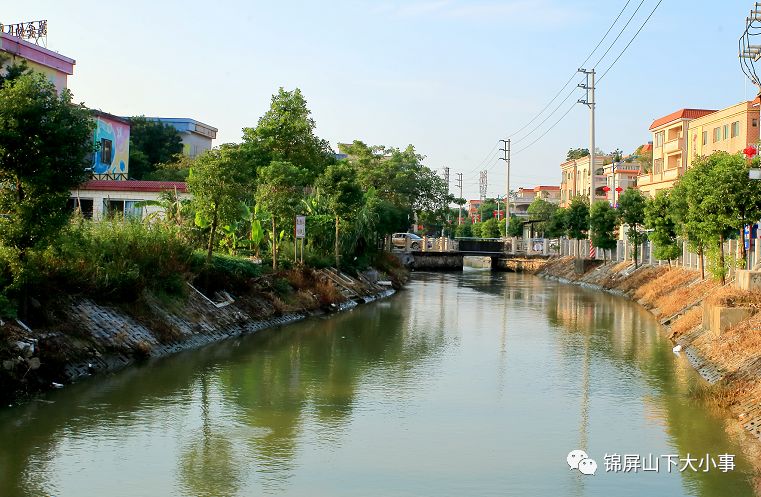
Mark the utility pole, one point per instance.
(459, 206)
(506, 158)
(482, 184)
(589, 101)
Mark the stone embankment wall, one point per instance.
(90, 338)
(717, 327)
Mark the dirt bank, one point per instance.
(82, 337)
(730, 361)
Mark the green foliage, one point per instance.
(515, 228)
(659, 217)
(602, 223)
(576, 153)
(116, 260)
(343, 194)
(631, 212)
(542, 211)
(151, 143)
(490, 229)
(464, 230)
(178, 169)
(223, 271)
(577, 218)
(45, 141)
(285, 133)
(220, 184)
(556, 226)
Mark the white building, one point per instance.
(98, 198)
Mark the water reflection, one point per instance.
(476, 383)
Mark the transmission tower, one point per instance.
(749, 47)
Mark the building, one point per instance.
(472, 209)
(56, 67)
(575, 179)
(196, 136)
(524, 196)
(111, 159)
(730, 130)
(97, 199)
(669, 150)
(620, 176)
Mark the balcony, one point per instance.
(673, 146)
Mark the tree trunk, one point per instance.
(745, 252)
(338, 254)
(213, 231)
(636, 248)
(700, 262)
(274, 246)
(721, 259)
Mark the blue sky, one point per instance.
(449, 76)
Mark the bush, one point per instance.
(224, 271)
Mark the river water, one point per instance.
(472, 384)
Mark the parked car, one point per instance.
(399, 240)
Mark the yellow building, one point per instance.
(669, 150)
(729, 130)
(575, 179)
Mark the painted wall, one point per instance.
(118, 132)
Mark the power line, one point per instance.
(631, 41)
(575, 73)
(548, 116)
(620, 33)
(548, 129)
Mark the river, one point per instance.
(471, 384)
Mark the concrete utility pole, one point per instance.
(589, 86)
(446, 204)
(459, 207)
(506, 158)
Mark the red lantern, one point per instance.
(606, 189)
(750, 151)
(619, 189)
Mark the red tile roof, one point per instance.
(681, 114)
(647, 147)
(134, 185)
(544, 187)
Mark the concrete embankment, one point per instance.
(89, 337)
(717, 327)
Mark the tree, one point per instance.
(602, 223)
(659, 217)
(339, 185)
(577, 218)
(490, 229)
(464, 230)
(542, 211)
(515, 228)
(576, 153)
(151, 143)
(631, 212)
(280, 192)
(219, 185)
(285, 133)
(556, 226)
(45, 143)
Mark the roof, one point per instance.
(134, 185)
(36, 53)
(180, 120)
(647, 147)
(100, 113)
(680, 114)
(544, 187)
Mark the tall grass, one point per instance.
(116, 259)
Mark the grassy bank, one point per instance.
(130, 290)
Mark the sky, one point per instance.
(450, 77)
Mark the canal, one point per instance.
(474, 384)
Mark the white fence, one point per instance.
(624, 251)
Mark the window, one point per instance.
(659, 139)
(658, 166)
(716, 134)
(705, 137)
(122, 208)
(82, 205)
(105, 151)
(735, 129)
(725, 131)
(754, 122)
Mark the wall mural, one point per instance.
(117, 133)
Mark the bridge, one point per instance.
(495, 253)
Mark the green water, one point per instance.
(472, 384)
